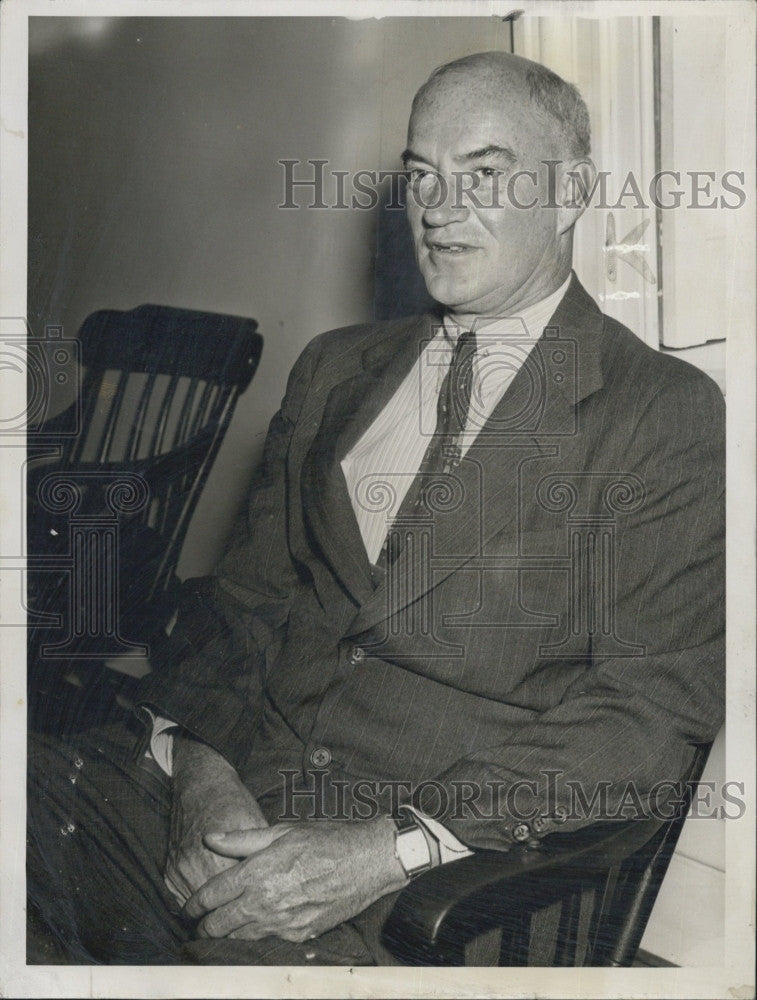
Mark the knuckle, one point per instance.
(250, 932)
(305, 930)
(212, 927)
(277, 904)
(245, 905)
(202, 896)
(232, 878)
(296, 934)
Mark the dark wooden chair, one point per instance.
(578, 899)
(109, 506)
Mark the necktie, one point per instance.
(443, 452)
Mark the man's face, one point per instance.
(480, 260)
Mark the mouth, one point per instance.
(448, 248)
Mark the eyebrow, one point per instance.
(492, 149)
(486, 151)
(408, 154)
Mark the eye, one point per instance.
(422, 185)
(489, 171)
(416, 174)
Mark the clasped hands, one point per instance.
(242, 878)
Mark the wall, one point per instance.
(154, 177)
(687, 924)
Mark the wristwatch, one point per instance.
(410, 845)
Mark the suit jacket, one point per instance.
(552, 632)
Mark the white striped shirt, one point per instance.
(382, 464)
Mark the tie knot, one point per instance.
(465, 340)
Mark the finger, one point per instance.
(216, 891)
(304, 925)
(248, 916)
(241, 843)
(190, 871)
(250, 932)
(233, 916)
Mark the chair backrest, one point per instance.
(159, 388)
(155, 377)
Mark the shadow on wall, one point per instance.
(399, 288)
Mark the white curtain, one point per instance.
(706, 106)
(610, 61)
(704, 102)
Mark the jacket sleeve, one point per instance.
(210, 679)
(625, 725)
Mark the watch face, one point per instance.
(412, 850)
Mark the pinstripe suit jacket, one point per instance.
(559, 612)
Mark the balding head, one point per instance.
(490, 74)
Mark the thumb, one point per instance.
(241, 843)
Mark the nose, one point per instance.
(440, 201)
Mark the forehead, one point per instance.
(466, 111)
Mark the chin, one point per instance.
(450, 295)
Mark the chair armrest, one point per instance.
(437, 912)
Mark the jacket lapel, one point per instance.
(351, 407)
(536, 415)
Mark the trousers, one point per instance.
(98, 827)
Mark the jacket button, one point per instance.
(541, 823)
(320, 757)
(357, 655)
(560, 814)
(521, 832)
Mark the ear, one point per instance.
(575, 185)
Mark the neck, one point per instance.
(521, 306)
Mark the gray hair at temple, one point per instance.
(552, 95)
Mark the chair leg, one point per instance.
(567, 931)
(516, 935)
(597, 951)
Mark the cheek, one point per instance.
(504, 237)
(517, 233)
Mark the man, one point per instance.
(470, 561)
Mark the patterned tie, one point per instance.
(443, 452)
